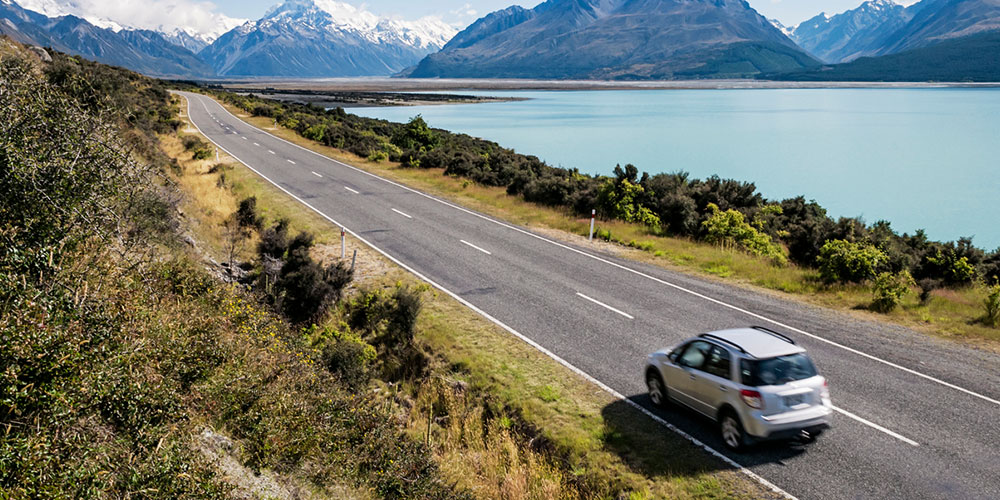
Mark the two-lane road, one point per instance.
(916, 417)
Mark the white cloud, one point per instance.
(465, 11)
(193, 16)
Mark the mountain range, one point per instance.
(320, 38)
(558, 39)
(618, 39)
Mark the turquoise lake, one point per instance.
(919, 158)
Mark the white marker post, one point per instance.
(216, 155)
(593, 213)
(343, 244)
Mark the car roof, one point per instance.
(757, 342)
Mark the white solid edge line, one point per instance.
(617, 395)
(876, 426)
(351, 190)
(401, 213)
(602, 304)
(637, 273)
(290, 161)
(477, 248)
(317, 175)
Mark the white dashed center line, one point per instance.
(317, 175)
(351, 190)
(876, 426)
(477, 248)
(401, 213)
(602, 304)
(293, 163)
(244, 138)
(255, 144)
(269, 151)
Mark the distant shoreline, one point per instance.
(364, 99)
(423, 85)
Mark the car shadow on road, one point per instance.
(652, 449)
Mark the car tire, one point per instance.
(657, 389)
(731, 431)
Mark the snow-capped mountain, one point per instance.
(145, 51)
(858, 32)
(324, 38)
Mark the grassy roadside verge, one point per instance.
(948, 313)
(503, 420)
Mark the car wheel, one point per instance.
(657, 389)
(731, 431)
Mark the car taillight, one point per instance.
(825, 392)
(752, 399)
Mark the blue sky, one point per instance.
(463, 12)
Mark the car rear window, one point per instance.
(775, 371)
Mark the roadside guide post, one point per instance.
(343, 243)
(593, 213)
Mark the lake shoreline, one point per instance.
(425, 85)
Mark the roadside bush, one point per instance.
(306, 288)
(843, 261)
(889, 290)
(246, 214)
(388, 322)
(991, 305)
(730, 230)
(621, 198)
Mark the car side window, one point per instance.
(718, 362)
(695, 354)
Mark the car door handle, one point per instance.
(723, 388)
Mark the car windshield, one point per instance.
(779, 370)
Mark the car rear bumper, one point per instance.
(784, 425)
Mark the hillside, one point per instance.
(617, 39)
(974, 58)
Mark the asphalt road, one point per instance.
(917, 417)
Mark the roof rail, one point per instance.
(720, 339)
(774, 333)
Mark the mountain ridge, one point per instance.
(618, 39)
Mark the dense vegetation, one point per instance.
(121, 354)
(722, 211)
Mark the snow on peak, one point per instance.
(339, 16)
(197, 18)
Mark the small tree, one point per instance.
(889, 290)
(236, 235)
(844, 261)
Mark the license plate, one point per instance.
(794, 400)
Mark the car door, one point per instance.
(683, 384)
(714, 381)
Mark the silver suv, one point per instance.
(754, 382)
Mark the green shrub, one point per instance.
(844, 261)
(889, 289)
(991, 306)
(621, 198)
(730, 229)
(306, 288)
